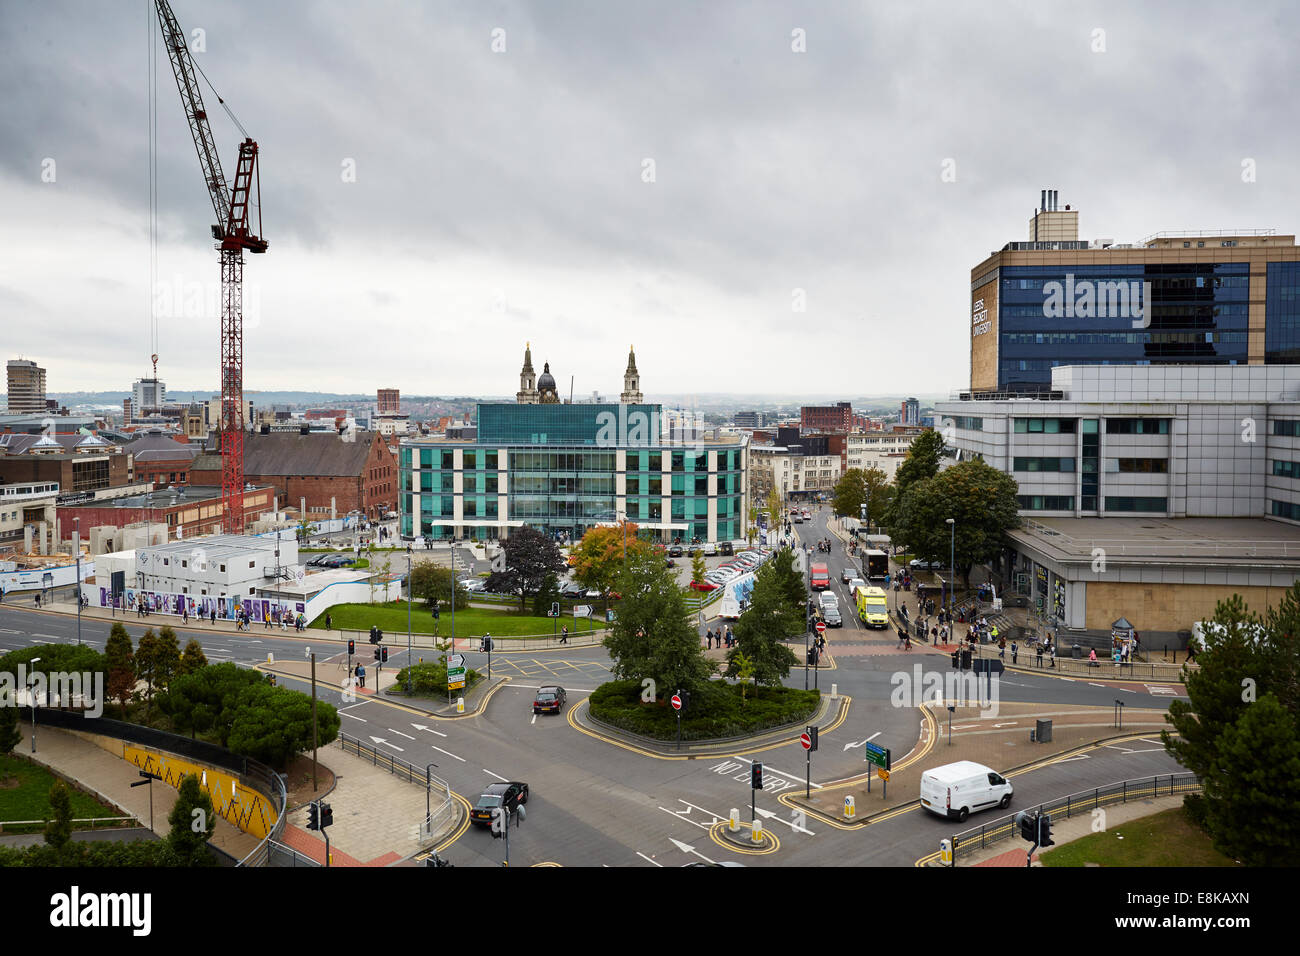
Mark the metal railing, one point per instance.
(123, 822)
(285, 856)
(1085, 801)
(1195, 547)
(262, 778)
(437, 789)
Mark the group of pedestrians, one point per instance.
(724, 636)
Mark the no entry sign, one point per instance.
(677, 702)
(821, 627)
(805, 741)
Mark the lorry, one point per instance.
(875, 565)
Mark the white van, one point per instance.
(959, 789)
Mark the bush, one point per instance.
(1195, 808)
(716, 710)
(429, 680)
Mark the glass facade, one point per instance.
(1282, 314)
(556, 468)
(1198, 313)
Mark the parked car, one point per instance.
(710, 550)
(506, 795)
(726, 548)
(572, 590)
(916, 564)
(475, 586)
(549, 698)
(675, 551)
(703, 586)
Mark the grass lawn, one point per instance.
(25, 791)
(1162, 839)
(474, 621)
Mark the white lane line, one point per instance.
(422, 727)
(354, 706)
(1095, 684)
(448, 753)
(874, 736)
(1127, 690)
(497, 775)
(9, 630)
(400, 734)
(49, 637)
(344, 713)
(534, 720)
(648, 860)
(694, 823)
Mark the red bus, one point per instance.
(821, 578)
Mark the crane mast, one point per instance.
(234, 233)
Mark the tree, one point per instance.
(121, 664)
(767, 621)
(751, 527)
(698, 569)
(1252, 797)
(850, 493)
(207, 700)
(599, 557)
(433, 584)
(58, 831)
(193, 821)
(775, 511)
(10, 735)
(981, 500)
(273, 724)
(193, 658)
(922, 460)
(157, 659)
(547, 594)
(527, 557)
(787, 581)
(743, 670)
(1239, 729)
(303, 530)
(654, 636)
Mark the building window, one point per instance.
(1137, 504)
(1286, 509)
(1043, 464)
(1286, 469)
(1137, 426)
(1287, 428)
(1138, 466)
(1046, 502)
(1045, 426)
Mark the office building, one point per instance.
(909, 413)
(826, 418)
(1203, 298)
(26, 388)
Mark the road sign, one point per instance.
(677, 702)
(883, 774)
(455, 678)
(456, 660)
(582, 610)
(805, 741)
(821, 627)
(878, 755)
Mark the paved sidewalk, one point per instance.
(377, 815)
(110, 777)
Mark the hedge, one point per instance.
(716, 710)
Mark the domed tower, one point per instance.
(527, 394)
(631, 381)
(546, 393)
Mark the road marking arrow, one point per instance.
(687, 848)
(861, 743)
(381, 740)
(429, 729)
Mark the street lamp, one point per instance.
(31, 693)
(76, 543)
(952, 563)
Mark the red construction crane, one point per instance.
(233, 235)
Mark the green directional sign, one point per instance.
(455, 678)
(878, 755)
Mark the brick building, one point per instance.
(826, 418)
(79, 463)
(195, 511)
(161, 459)
(321, 467)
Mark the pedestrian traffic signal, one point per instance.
(812, 655)
(383, 655)
(756, 776)
(313, 817)
(555, 609)
(812, 732)
(376, 653)
(1045, 830)
(1028, 824)
(352, 648)
(326, 815)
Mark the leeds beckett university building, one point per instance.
(1174, 298)
(562, 468)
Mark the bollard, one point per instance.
(270, 658)
(835, 691)
(945, 852)
(758, 831)
(460, 705)
(733, 821)
(850, 809)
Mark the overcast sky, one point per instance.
(502, 197)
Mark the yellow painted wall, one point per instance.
(237, 804)
(1166, 607)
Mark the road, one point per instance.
(596, 803)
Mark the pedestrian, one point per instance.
(1051, 654)
(361, 675)
(329, 623)
(1015, 650)
(708, 640)
(902, 636)
(214, 615)
(1191, 651)
(564, 634)
(1002, 649)
(1038, 648)
(185, 615)
(1092, 657)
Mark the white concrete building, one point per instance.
(885, 450)
(216, 566)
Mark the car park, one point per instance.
(550, 698)
(505, 795)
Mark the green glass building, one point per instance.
(564, 468)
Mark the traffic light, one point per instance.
(1028, 824)
(272, 676)
(756, 776)
(1045, 830)
(326, 815)
(555, 609)
(812, 732)
(313, 817)
(685, 695)
(383, 655)
(435, 612)
(812, 655)
(376, 653)
(352, 647)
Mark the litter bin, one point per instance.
(1043, 731)
(1076, 651)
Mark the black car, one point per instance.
(727, 548)
(675, 551)
(508, 795)
(549, 698)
